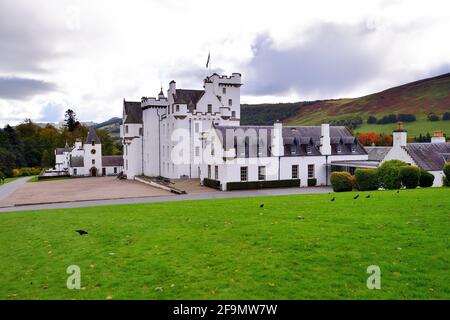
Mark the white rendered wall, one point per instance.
(88, 157)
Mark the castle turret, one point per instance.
(93, 154)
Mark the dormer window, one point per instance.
(209, 108)
(293, 149)
(308, 149)
(177, 107)
(339, 148)
(353, 147)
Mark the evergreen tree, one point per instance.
(71, 120)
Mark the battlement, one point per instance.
(152, 101)
(234, 79)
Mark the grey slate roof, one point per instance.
(298, 139)
(429, 156)
(77, 161)
(133, 111)
(62, 150)
(112, 161)
(187, 96)
(92, 136)
(377, 153)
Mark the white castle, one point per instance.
(197, 134)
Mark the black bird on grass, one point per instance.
(333, 199)
(81, 232)
(368, 196)
(261, 205)
(356, 197)
(398, 191)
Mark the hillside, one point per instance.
(112, 126)
(418, 98)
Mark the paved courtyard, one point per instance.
(81, 189)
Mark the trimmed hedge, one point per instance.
(366, 179)
(52, 177)
(426, 179)
(211, 183)
(409, 176)
(312, 182)
(389, 174)
(262, 184)
(341, 181)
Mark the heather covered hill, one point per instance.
(418, 98)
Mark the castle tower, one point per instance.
(93, 154)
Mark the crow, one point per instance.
(81, 232)
(356, 197)
(368, 196)
(261, 205)
(398, 191)
(333, 199)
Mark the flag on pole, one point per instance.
(207, 61)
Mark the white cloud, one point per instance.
(99, 52)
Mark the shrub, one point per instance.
(391, 118)
(16, 173)
(263, 184)
(312, 182)
(341, 181)
(426, 179)
(366, 179)
(446, 170)
(389, 174)
(406, 117)
(211, 183)
(2, 176)
(445, 181)
(410, 175)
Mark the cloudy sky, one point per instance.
(89, 55)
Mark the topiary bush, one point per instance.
(389, 174)
(446, 178)
(366, 179)
(426, 179)
(341, 181)
(409, 176)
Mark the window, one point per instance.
(93, 161)
(93, 143)
(295, 171)
(115, 169)
(230, 102)
(261, 173)
(141, 132)
(233, 114)
(216, 172)
(209, 108)
(308, 149)
(311, 171)
(197, 151)
(126, 129)
(209, 171)
(93, 151)
(75, 171)
(177, 107)
(339, 148)
(353, 147)
(244, 173)
(260, 148)
(103, 171)
(224, 90)
(197, 127)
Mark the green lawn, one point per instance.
(11, 179)
(233, 249)
(35, 179)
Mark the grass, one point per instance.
(10, 179)
(421, 126)
(233, 249)
(36, 179)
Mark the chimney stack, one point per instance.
(400, 136)
(438, 137)
(325, 141)
(277, 139)
(172, 87)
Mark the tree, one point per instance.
(371, 120)
(47, 160)
(389, 174)
(433, 117)
(446, 116)
(369, 138)
(71, 120)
